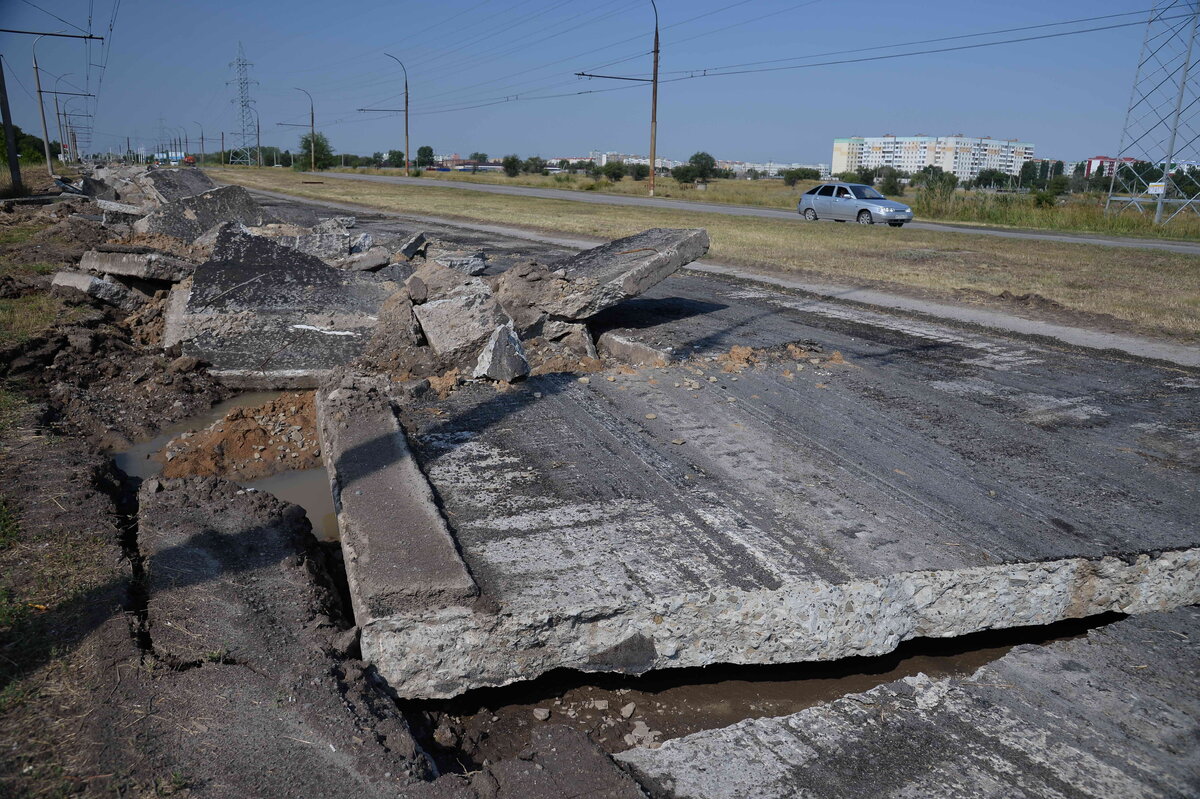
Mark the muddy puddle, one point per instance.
(620, 712)
(308, 488)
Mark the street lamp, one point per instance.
(407, 153)
(312, 132)
(37, 80)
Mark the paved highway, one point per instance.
(768, 213)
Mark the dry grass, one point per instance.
(25, 317)
(1155, 292)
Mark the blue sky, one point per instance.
(171, 60)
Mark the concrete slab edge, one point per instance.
(399, 552)
(442, 652)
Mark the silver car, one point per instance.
(843, 202)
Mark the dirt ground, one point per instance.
(249, 443)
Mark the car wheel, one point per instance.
(865, 218)
(810, 215)
(896, 224)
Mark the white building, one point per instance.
(965, 156)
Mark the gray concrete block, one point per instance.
(1110, 715)
(189, 217)
(461, 318)
(144, 266)
(169, 185)
(104, 290)
(502, 358)
(625, 348)
(400, 555)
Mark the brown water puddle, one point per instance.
(308, 488)
(496, 724)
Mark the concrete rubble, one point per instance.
(1095, 717)
(189, 217)
(142, 265)
(106, 291)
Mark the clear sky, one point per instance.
(171, 60)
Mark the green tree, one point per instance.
(991, 177)
(534, 165)
(704, 164)
(1028, 177)
(848, 177)
(425, 156)
(477, 159)
(1059, 184)
(321, 149)
(394, 159)
(377, 158)
(639, 171)
(511, 165)
(685, 173)
(867, 175)
(891, 185)
(29, 148)
(614, 170)
(793, 176)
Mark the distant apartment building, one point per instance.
(965, 156)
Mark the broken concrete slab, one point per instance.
(621, 347)
(105, 291)
(270, 317)
(469, 263)
(369, 261)
(502, 358)
(414, 245)
(460, 318)
(399, 552)
(335, 224)
(144, 266)
(1112, 714)
(189, 217)
(234, 243)
(119, 208)
(170, 185)
(631, 525)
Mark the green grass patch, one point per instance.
(18, 234)
(24, 317)
(10, 526)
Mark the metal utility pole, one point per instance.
(258, 138)
(245, 108)
(222, 147)
(201, 141)
(1162, 124)
(10, 138)
(653, 96)
(57, 113)
(407, 154)
(654, 102)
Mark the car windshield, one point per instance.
(866, 193)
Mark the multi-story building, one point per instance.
(965, 156)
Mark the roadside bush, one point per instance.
(512, 165)
(685, 173)
(614, 171)
(639, 171)
(1044, 199)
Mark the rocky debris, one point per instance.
(108, 292)
(415, 245)
(97, 189)
(369, 261)
(595, 279)
(144, 265)
(170, 185)
(268, 317)
(502, 358)
(189, 217)
(1093, 717)
(465, 261)
(335, 224)
(127, 209)
(458, 319)
(624, 349)
(248, 443)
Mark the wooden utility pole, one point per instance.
(10, 138)
(222, 147)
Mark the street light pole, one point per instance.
(57, 113)
(312, 132)
(201, 141)
(654, 102)
(37, 80)
(407, 154)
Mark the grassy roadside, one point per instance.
(1082, 213)
(1156, 293)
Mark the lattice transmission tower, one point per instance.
(1158, 164)
(245, 135)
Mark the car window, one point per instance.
(842, 191)
(867, 193)
(826, 191)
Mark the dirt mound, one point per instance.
(167, 244)
(1030, 300)
(738, 358)
(63, 243)
(249, 443)
(101, 383)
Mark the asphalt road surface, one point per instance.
(767, 213)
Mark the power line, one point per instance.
(56, 16)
